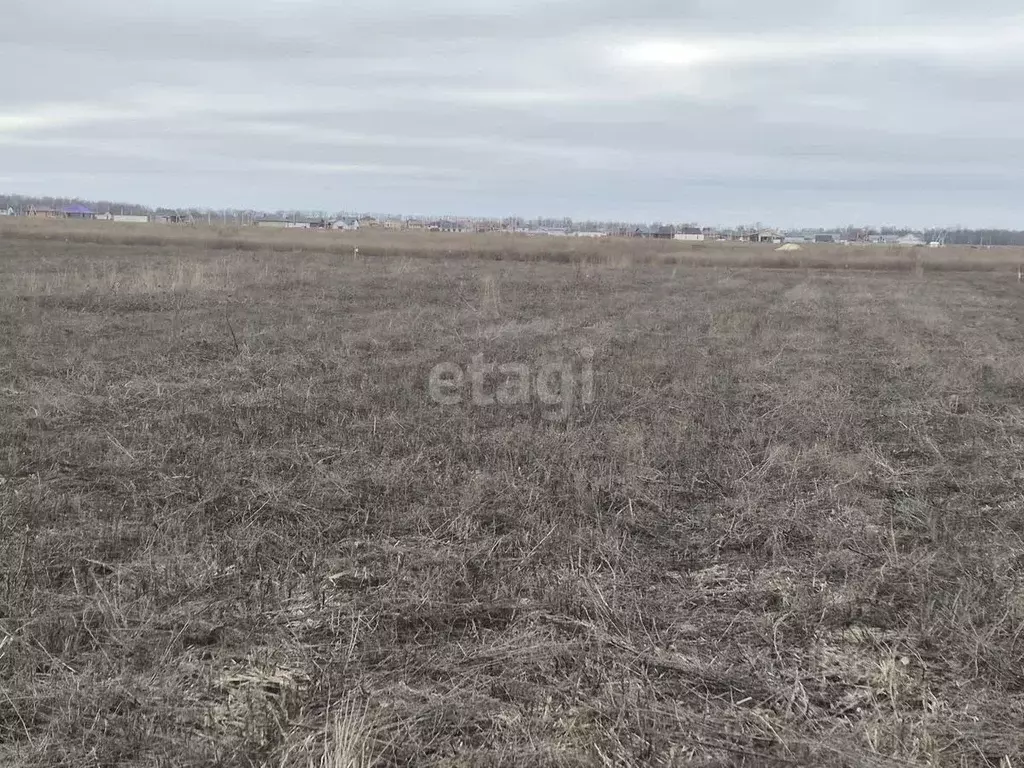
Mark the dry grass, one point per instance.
(611, 252)
(235, 530)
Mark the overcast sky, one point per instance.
(790, 112)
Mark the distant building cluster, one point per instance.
(538, 227)
(82, 212)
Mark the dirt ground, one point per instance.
(783, 526)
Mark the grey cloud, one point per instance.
(495, 108)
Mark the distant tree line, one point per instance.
(979, 236)
(23, 203)
(950, 236)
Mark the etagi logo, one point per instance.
(556, 384)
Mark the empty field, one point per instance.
(236, 529)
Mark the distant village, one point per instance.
(131, 214)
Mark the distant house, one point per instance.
(8, 211)
(910, 241)
(590, 234)
(765, 236)
(824, 238)
(126, 218)
(77, 211)
(416, 224)
(346, 223)
(173, 218)
(693, 234)
(103, 216)
(664, 232)
(282, 224)
(43, 212)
